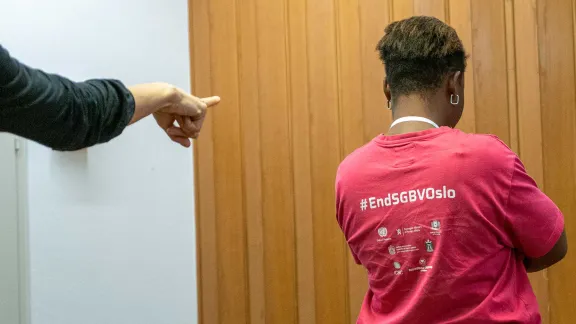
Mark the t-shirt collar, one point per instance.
(391, 140)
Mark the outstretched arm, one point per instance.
(58, 112)
(66, 115)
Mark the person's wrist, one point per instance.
(151, 97)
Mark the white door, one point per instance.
(11, 288)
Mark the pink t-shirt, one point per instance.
(441, 220)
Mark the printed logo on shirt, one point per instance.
(408, 248)
(382, 231)
(392, 250)
(397, 266)
(429, 246)
(435, 224)
(405, 197)
(422, 268)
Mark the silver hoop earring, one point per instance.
(452, 99)
(389, 105)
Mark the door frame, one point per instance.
(16, 152)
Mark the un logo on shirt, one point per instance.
(382, 231)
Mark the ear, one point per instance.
(386, 88)
(455, 84)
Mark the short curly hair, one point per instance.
(418, 53)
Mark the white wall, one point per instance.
(111, 228)
(10, 278)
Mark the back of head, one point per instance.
(419, 53)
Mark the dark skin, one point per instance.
(435, 105)
(557, 253)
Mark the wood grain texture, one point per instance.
(301, 84)
(401, 9)
(251, 157)
(230, 220)
(278, 197)
(436, 8)
(511, 75)
(329, 253)
(208, 285)
(490, 68)
(351, 123)
(302, 171)
(374, 17)
(460, 13)
(529, 116)
(556, 51)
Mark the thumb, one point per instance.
(211, 101)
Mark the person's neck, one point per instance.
(408, 106)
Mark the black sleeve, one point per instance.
(57, 112)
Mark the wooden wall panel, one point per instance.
(200, 52)
(460, 17)
(529, 115)
(488, 56)
(251, 158)
(277, 198)
(511, 75)
(302, 87)
(230, 220)
(302, 169)
(374, 17)
(329, 253)
(351, 123)
(401, 9)
(436, 8)
(556, 51)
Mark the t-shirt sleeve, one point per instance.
(340, 223)
(354, 256)
(57, 112)
(340, 215)
(535, 222)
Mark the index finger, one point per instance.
(211, 101)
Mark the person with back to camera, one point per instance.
(447, 224)
(66, 115)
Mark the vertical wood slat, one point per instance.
(489, 60)
(230, 220)
(511, 74)
(251, 155)
(374, 17)
(278, 204)
(529, 116)
(351, 125)
(435, 8)
(558, 97)
(204, 169)
(329, 253)
(401, 9)
(461, 20)
(301, 152)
